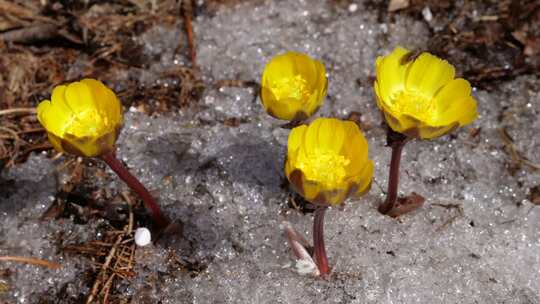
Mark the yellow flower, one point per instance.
(82, 118)
(420, 97)
(328, 160)
(293, 86)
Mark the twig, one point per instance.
(514, 153)
(187, 13)
(32, 33)
(18, 111)
(103, 270)
(9, 7)
(449, 221)
(32, 130)
(16, 146)
(129, 228)
(107, 288)
(32, 261)
(44, 146)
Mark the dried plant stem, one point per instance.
(18, 111)
(187, 12)
(103, 271)
(397, 143)
(32, 261)
(318, 242)
(160, 221)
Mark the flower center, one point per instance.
(88, 123)
(291, 87)
(324, 166)
(415, 105)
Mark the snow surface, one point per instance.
(224, 183)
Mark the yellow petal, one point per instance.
(306, 67)
(280, 66)
(455, 90)
(267, 97)
(311, 137)
(322, 81)
(336, 196)
(106, 101)
(78, 97)
(391, 74)
(313, 104)
(296, 138)
(331, 135)
(429, 132)
(365, 177)
(355, 149)
(462, 111)
(48, 121)
(55, 142)
(400, 123)
(428, 74)
(60, 109)
(311, 189)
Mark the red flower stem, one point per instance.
(393, 179)
(318, 242)
(159, 220)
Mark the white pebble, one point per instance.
(142, 236)
(353, 7)
(426, 12)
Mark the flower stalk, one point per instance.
(160, 221)
(318, 242)
(396, 141)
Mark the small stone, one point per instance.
(142, 236)
(396, 5)
(428, 15)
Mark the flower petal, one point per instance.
(280, 66)
(296, 138)
(355, 149)
(364, 178)
(306, 67)
(331, 135)
(428, 74)
(463, 111)
(429, 132)
(311, 137)
(106, 102)
(391, 74)
(78, 97)
(455, 90)
(51, 122)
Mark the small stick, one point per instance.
(32, 33)
(187, 12)
(107, 288)
(32, 261)
(129, 228)
(297, 242)
(103, 270)
(18, 111)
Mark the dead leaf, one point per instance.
(396, 5)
